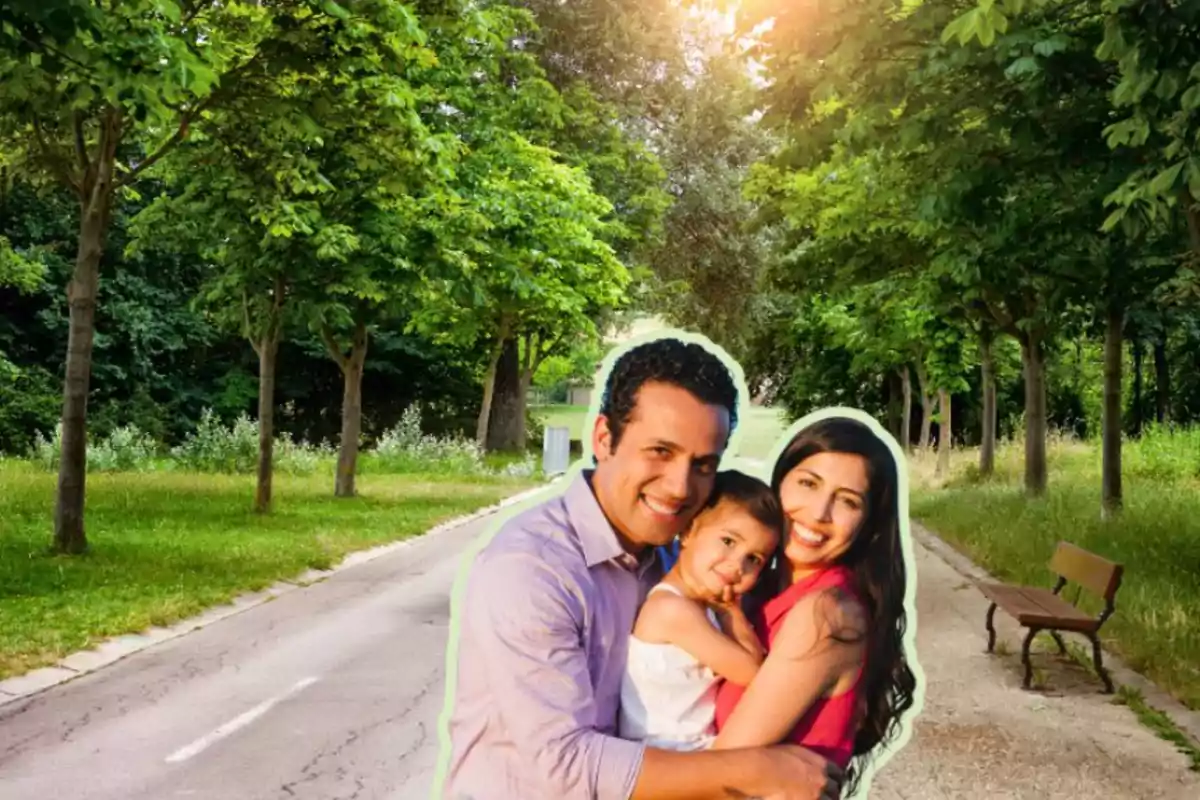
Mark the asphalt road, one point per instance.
(332, 691)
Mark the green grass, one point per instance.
(1156, 627)
(760, 428)
(1161, 724)
(165, 546)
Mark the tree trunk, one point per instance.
(1034, 360)
(268, 349)
(926, 407)
(506, 430)
(95, 212)
(906, 424)
(895, 414)
(1138, 358)
(1162, 380)
(489, 386)
(1110, 470)
(352, 375)
(945, 434)
(987, 441)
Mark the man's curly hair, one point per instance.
(684, 364)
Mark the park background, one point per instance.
(281, 281)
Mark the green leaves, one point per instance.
(1165, 181)
(19, 270)
(333, 9)
(1057, 43)
(1023, 66)
(982, 23)
(526, 246)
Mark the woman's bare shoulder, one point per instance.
(832, 612)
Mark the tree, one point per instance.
(529, 241)
(1122, 56)
(93, 96)
(302, 192)
(1022, 118)
(711, 262)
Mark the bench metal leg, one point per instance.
(1108, 684)
(1025, 656)
(991, 627)
(1062, 646)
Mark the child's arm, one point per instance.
(669, 619)
(736, 625)
(805, 664)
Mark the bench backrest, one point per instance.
(1089, 570)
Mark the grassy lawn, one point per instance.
(760, 428)
(166, 546)
(1156, 627)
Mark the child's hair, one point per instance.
(750, 494)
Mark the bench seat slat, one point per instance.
(1038, 607)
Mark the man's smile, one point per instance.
(662, 508)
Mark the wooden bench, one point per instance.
(1040, 609)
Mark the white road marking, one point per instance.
(236, 724)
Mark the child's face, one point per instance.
(725, 547)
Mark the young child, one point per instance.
(691, 632)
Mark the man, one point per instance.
(550, 603)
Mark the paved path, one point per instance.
(982, 736)
(333, 692)
(326, 693)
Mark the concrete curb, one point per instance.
(1187, 720)
(117, 648)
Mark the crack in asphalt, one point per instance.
(310, 773)
(417, 746)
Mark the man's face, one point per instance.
(662, 471)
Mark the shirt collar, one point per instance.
(596, 534)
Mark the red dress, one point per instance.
(828, 727)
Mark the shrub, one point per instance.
(215, 448)
(126, 449)
(300, 458)
(404, 448)
(234, 449)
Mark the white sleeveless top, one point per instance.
(668, 698)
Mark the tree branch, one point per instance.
(180, 133)
(335, 349)
(54, 159)
(247, 330)
(361, 342)
(80, 142)
(1003, 319)
(527, 358)
(186, 119)
(543, 352)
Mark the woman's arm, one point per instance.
(668, 619)
(805, 664)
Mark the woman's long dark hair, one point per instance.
(876, 558)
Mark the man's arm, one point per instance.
(783, 772)
(527, 626)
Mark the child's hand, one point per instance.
(727, 600)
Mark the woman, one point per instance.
(831, 608)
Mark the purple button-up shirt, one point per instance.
(544, 628)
